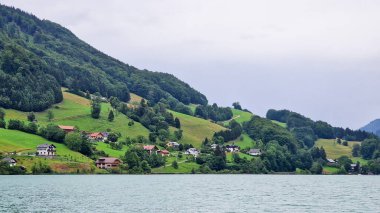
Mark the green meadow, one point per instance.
(195, 130)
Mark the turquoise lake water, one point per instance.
(189, 193)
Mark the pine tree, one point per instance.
(111, 116)
(31, 117)
(177, 123)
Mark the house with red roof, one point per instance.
(97, 136)
(67, 129)
(164, 153)
(151, 149)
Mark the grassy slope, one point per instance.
(75, 111)
(66, 162)
(335, 150)
(247, 142)
(280, 123)
(195, 130)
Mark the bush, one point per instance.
(175, 164)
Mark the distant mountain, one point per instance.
(373, 127)
(37, 57)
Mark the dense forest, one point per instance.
(43, 55)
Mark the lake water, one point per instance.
(189, 193)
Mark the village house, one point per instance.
(10, 161)
(255, 152)
(46, 150)
(98, 136)
(164, 152)
(213, 146)
(192, 151)
(105, 163)
(354, 167)
(67, 129)
(151, 149)
(331, 162)
(172, 144)
(232, 148)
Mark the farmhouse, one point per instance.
(67, 129)
(105, 163)
(98, 136)
(46, 150)
(331, 162)
(192, 151)
(10, 161)
(232, 148)
(151, 149)
(164, 152)
(172, 144)
(255, 152)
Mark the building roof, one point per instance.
(45, 146)
(164, 152)
(66, 127)
(108, 160)
(232, 146)
(150, 147)
(254, 151)
(9, 160)
(96, 134)
(174, 143)
(331, 160)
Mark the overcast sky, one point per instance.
(319, 58)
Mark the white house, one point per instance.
(255, 152)
(213, 146)
(46, 150)
(192, 151)
(10, 161)
(172, 144)
(232, 148)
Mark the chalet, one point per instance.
(232, 148)
(10, 161)
(98, 136)
(164, 152)
(172, 144)
(46, 150)
(255, 152)
(331, 162)
(105, 163)
(67, 129)
(151, 149)
(192, 151)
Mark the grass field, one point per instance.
(241, 155)
(247, 142)
(330, 170)
(280, 123)
(183, 168)
(195, 130)
(67, 161)
(111, 152)
(335, 150)
(75, 111)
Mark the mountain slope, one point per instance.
(373, 127)
(43, 55)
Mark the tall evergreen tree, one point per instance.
(95, 108)
(177, 123)
(111, 116)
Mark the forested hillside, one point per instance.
(38, 57)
